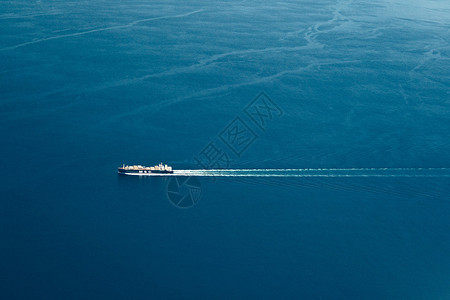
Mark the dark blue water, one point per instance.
(86, 86)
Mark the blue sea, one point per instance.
(315, 86)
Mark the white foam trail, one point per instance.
(322, 172)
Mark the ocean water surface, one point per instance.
(348, 88)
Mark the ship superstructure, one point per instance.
(138, 169)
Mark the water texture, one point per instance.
(361, 120)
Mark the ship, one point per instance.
(142, 170)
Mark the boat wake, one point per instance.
(346, 172)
